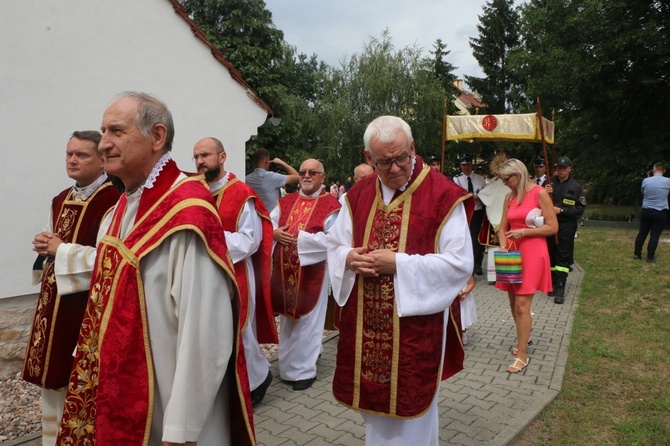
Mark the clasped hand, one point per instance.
(46, 244)
(371, 263)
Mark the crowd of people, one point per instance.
(165, 284)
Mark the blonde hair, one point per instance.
(515, 167)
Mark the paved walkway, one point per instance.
(481, 405)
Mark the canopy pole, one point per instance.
(444, 134)
(544, 150)
(544, 144)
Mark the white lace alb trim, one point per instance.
(151, 179)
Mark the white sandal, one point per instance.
(515, 368)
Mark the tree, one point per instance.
(603, 64)
(443, 70)
(379, 81)
(246, 36)
(498, 35)
(244, 33)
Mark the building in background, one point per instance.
(62, 65)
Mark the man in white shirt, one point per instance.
(473, 183)
(540, 177)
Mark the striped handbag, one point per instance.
(508, 265)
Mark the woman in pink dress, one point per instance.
(528, 218)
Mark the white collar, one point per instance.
(313, 194)
(218, 184)
(82, 193)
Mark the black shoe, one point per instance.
(258, 393)
(551, 293)
(652, 260)
(303, 384)
(478, 270)
(637, 257)
(559, 299)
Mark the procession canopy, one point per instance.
(513, 128)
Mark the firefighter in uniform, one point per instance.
(569, 203)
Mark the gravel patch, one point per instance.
(20, 409)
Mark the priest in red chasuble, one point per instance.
(248, 231)
(74, 220)
(299, 281)
(398, 256)
(159, 358)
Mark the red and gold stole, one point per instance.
(295, 288)
(111, 391)
(55, 329)
(387, 364)
(230, 201)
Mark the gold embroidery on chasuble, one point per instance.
(68, 219)
(380, 322)
(66, 226)
(37, 347)
(297, 221)
(83, 389)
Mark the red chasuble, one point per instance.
(295, 289)
(55, 329)
(111, 390)
(230, 201)
(386, 364)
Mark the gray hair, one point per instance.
(384, 129)
(513, 167)
(151, 111)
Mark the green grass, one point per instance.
(607, 212)
(616, 388)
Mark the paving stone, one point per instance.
(477, 406)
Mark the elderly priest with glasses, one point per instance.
(299, 283)
(398, 257)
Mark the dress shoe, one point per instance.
(258, 393)
(637, 257)
(478, 270)
(303, 384)
(559, 299)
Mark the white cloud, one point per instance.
(337, 29)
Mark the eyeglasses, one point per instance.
(505, 180)
(311, 172)
(400, 161)
(202, 155)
